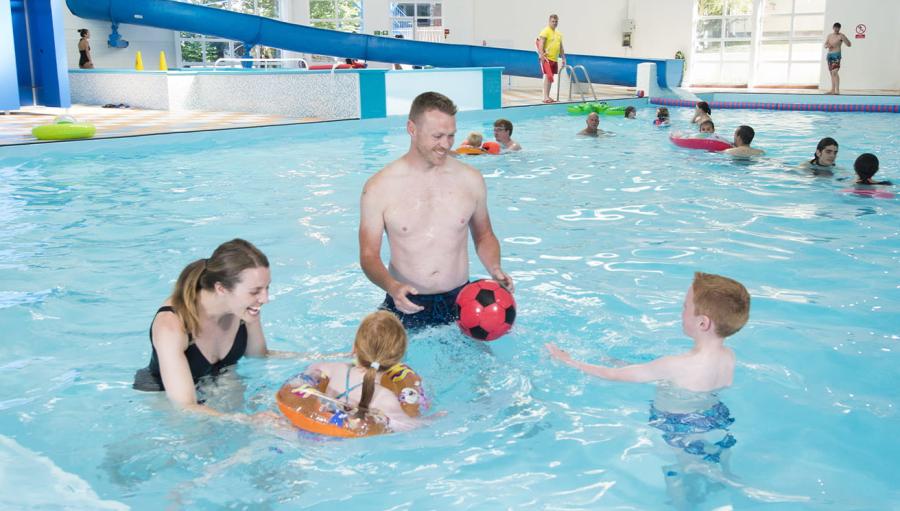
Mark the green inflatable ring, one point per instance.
(63, 131)
(579, 109)
(613, 110)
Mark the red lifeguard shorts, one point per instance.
(549, 68)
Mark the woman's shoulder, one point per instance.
(167, 326)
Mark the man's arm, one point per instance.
(486, 244)
(541, 43)
(846, 40)
(371, 230)
(660, 369)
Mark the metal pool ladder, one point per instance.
(573, 79)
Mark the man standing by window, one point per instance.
(833, 43)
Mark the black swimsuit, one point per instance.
(149, 379)
(84, 58)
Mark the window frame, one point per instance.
(339, 21)
(413, 20)
(756, 58)
(232, 45)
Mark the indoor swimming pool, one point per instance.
(602, 237)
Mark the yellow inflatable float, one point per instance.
(64, 127)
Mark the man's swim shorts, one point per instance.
(440, 309)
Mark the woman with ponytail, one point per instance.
(378, 383)
(85, 61)
(209, 322)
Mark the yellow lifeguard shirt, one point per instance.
(552, 43)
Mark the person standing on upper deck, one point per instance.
(833, 43)
(551, 54)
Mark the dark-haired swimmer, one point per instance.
(503, 130)
(702, 113)
(630, 112)
(743, 136)
(822, 162)
(866, 166)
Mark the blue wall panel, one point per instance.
(48, 47)
(9, 80)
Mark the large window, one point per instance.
(344, 15)
(790, 44)
(421, 21)
(757, 42)
(203, 50)
(722, 42)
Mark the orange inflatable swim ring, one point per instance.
(304, 401)
(491, 147)
(469, 150)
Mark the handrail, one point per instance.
(239, 60)
(587, 78)
(573, 78)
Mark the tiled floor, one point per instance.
(15, 128)
(523, 96)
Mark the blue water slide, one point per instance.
(257, 30)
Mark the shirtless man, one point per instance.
(833, 42)
(592, 129)
(426, 202)
(742, 138)
(503, 130)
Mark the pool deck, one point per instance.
(15, 127)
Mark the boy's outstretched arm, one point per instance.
(660, 369)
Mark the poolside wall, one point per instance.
(342, 94)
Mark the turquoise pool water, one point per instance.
(602, 237)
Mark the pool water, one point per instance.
(602, 237)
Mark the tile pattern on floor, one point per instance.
(15, 128)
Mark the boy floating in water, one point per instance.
(686, 408)
(715, 307)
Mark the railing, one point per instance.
(264, 62)
(573, 79)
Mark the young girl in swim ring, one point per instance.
(379, 347)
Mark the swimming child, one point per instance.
(473, 141)
(702, 113)
(662, 117)
(866, 165)
(630, 112)
(686, 407)
(707, 126)
(378, 393)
